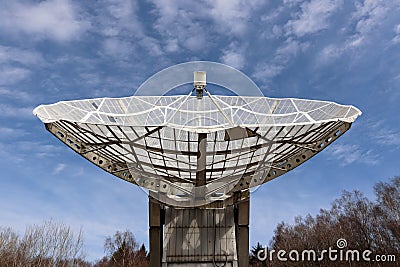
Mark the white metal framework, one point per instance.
(198, 154)
(190, 151)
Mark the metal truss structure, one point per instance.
(155, 142)
(198, 156)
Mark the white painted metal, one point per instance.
(157, 142)
(179, 112)
(152, 141)
(200, 78)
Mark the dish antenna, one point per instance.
(198, 155)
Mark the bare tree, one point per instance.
(8, 246)
(365, 224)
(388, 209)
(48, 244)
(123, 250)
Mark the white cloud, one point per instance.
(232, 16)
(185, 24)
(176, 22)
(123, 30)
(369, 15)
(121, 9)
(273, 15)
(151, 45)
(171, 45)
(15, 94)
(6, 152)
(21, 151)
(329, 53)
(388, 137)
(12, 111)
(290, 48)
(32, 148)
(118, 19)
(117, 48)
(57, 20)
(349, 154)
(59, 168)
(234, 56)
(354, 41)
(11, 75)
(272, 27)
(396, 38)
(283, 54)
(195, 42)
(367, 25)
(292, 3)
(383, 134)
(267, 71)
(314, 17)
(277, 30)
(335, 51)
(26, 57)
(11, 132)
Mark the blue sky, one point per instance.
(337, 50)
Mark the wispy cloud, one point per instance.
(15, 94)
(59, 168)
(336, 50)
(23, 150)
(314, 17)
(388, 137)
(271, 28)
(349, 154)
(11, 75)
(290, 48)
(117, 48)
(266, 71)
(123, 30)
(233, 16)
(383, 134)
(56, 20)
(283, 54)
(369, 15)
(292, 3)
(15, 111)
(180, 22)
(11, 132)
(176, 22)
(396, 38)
(234, 56)
(6, 152)
(369, 20)
(12, 54)
(329, 53)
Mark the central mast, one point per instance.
(200, 85)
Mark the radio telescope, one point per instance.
(198, 154)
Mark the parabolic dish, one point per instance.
(155, 141)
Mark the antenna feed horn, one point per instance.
(199, 83)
